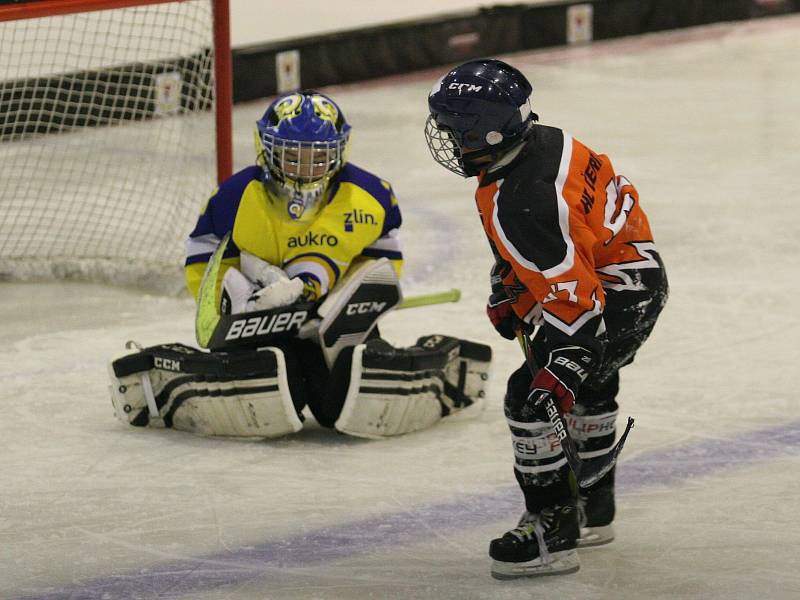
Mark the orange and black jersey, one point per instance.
(568, 227)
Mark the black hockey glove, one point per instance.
(561, 377)
(499, 307)
(503, 317)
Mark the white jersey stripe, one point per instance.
(202, 244)
(571, 329)
(563, 220)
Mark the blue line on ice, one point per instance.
(662, 467)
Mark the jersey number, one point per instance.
(619, 204)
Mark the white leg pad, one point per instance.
(468, 378)
(192, 398)
(378, 408)
(394, 391)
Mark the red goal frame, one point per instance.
(223, 76)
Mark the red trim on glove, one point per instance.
(546, 381)
(499, 313)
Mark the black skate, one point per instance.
(542, 544)
(596, 510)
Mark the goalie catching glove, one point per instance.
(257, 286)
(566, 369)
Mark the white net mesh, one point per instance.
(107, 148)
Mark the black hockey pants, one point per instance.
(630, 316)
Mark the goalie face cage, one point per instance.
(110, 126)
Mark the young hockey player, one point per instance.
(304, 245)
(574, 256)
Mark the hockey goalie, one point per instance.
(293, 262)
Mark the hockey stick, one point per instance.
(586, 471)
(452, 295)
(207, 316)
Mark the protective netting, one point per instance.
(107, 148)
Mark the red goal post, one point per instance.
(129, 72)
(223, 75)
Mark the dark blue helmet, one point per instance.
(478, 111)
(301, 142)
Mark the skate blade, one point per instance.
(596, 536)
(561, 563)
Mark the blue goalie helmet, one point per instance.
(302, 141)
(479, 112)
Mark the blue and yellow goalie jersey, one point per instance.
(359, 217)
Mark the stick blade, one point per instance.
(592, 470)
(207, 316)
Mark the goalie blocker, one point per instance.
(246, 393)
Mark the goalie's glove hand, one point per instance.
(273, 288)
(503, 317)
(240, 294)
(561, 377)
(259, 271)
(281, 292)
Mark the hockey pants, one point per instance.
(629, 317)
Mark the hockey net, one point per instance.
(110, 136)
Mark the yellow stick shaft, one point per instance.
(452, 295)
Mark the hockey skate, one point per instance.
(542, 544)
(596, 511)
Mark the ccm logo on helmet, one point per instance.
(460, 87)
(363, 308)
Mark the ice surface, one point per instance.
(705, 123)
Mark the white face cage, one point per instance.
(299, 172)
(444, 149)
(303, 163)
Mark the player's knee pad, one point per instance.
(538, 458)
(593, 427)
(516, 404)
(242, 394)
(393, 391)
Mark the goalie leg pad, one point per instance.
(466, 375)
(244, 394)
(399, 390)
